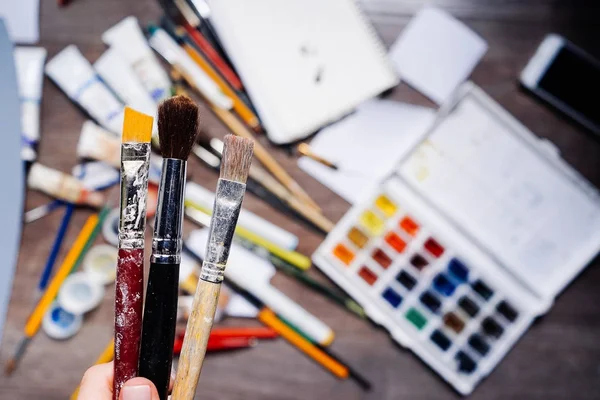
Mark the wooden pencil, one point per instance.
(129, 287)
(237, 157)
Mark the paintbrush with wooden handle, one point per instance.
(237, 157)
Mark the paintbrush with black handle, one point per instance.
(177, 130)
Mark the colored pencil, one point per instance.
(129, 288)
(60, 236)
(74, 257)
(239, 106)
(181, 12)
(244, 332)
(177, 130)
(237, 157)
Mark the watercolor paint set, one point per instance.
(478, 229)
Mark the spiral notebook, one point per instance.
(304, 63)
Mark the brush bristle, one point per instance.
(177, 127)
(137, 127)
(237, 157)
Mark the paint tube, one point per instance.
(29, 63)
(76, 77)
(127, 38)
(121, 78)
(175, 55)
(252, 222)
(62, 186)
(98, 144)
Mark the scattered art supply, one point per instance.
(201, 216)
(128, 40)
(40, 212)
(118, 74)
(261, 153)
(74, 257)
(175, 55)
(254, 274)
(30, 74)
(237, 157)
(304, 278)
(190, 47)
(74, 75)
(436, 53)
(62, 186)
(191, 23)
(204, 198)
(453, 275)
(80, 293)
(265, 186)
(100, 263)
(60, 324)
(98, 144)
(177, 130)
(60, 235)
(129, 289)
(324, 60)
(305, 150)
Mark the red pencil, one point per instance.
(261, 332)
(213, 56)
(135, 162)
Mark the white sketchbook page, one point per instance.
(366, 146)
(22, 19)
(436, 53)
(304, 63)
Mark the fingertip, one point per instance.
(96, 380)
(139, 389)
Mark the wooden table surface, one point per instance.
(558, 358)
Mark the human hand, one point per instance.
(97, 384)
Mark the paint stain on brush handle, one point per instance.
(158, 329)
(128, 315)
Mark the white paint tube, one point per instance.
(98, 144)
(175, 55)
(128, 40)
(76, 77)
(29, 63)
(121, 78)
(252, 222)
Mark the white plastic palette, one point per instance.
(447, 253)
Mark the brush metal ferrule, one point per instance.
(167, 242)
(135, 163)
(228, 203)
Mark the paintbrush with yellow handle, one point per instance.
(237, 157)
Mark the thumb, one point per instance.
(139, 389)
